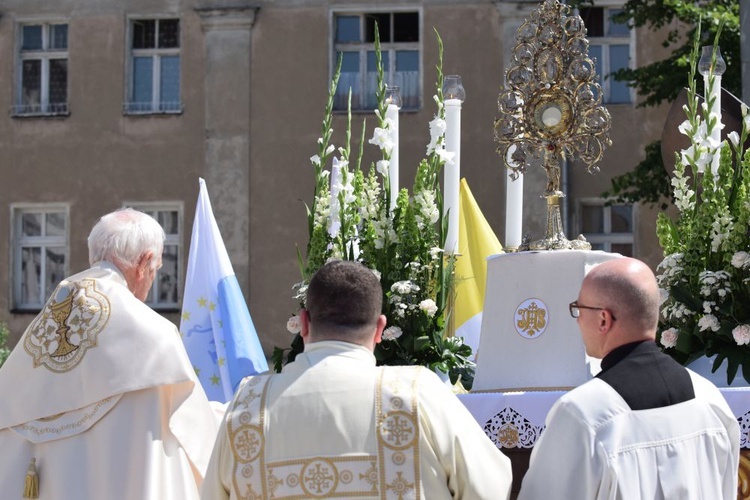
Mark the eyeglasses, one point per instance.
(575, 307)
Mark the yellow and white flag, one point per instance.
(477, 241)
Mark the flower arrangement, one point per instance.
(705, 275)
(351, 218)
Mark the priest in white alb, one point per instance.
(645, 427)
(334, 425)
(98, 400)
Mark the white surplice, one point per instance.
(100, 392)
(332, 424)
(596, 447)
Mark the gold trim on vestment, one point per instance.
(397, 418)
(68, 326)
(66, 424)
(393, 473)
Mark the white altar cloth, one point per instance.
(516, 419)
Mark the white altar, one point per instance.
(528, 339)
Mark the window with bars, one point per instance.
(43, 69)
(40, 253)
(154, 67)
(165, 292)
(610, 45)
(608, 228)
(354, 42)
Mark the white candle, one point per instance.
(513, 210)
(714, 92)
(392, 113)
(335, 222)
(711, 63)
(513, 205)
(452, 171)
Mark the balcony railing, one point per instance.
(56, 109)
(142, 108)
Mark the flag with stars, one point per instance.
(216, 326)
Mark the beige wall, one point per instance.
(96, 158)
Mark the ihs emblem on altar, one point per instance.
(531, 318)
(507, 435)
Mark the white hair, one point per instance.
(123, 236)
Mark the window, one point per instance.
(40, 253)
(609, 44)
(154, 66)
(165, 292)
(354, 42)
(608, 228)
(43, 70)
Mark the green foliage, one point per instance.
(661, 81)
(402, 244)
(647, 183)
(4, 351)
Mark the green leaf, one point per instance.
(421, 343)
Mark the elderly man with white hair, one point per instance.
(98, 399)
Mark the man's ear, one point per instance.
(144, 262)
(605, 320)
(382, 321)
(304, 321)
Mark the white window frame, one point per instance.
(606, 238)
(151, 208)
(603, 66)
(390, 47)
(45, 54)
(19, 242)
(156, 106)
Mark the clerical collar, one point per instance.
(619, 353)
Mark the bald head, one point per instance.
(628, 288)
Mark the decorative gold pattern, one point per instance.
(346, 476)
(311, 477)
(398, 431)
(531, 318)
(324, 477)
(247, 443)
(510, 429)
(273, 482)
(66, 424)
(68, 326)
(508, 436)
(319, 478)
(394, 471)
(371, 476)
(400, 486)
(245, 420)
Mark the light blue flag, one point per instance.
(216, 326)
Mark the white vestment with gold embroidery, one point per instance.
(99, 390)
(333, 425)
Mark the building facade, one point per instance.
(127, 103)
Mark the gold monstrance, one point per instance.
(551, 108)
